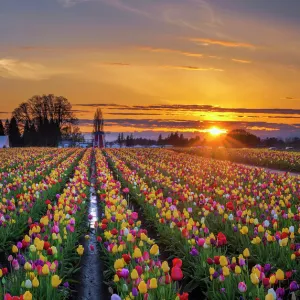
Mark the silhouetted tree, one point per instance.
(49, 114)
(6, 127)
(72, 133)
(1, 128)
(33, 135)
(122, 139)
(241, 138)
(119, 140)
(14, 133)
(160, 140)
(127, 141)
(27, 135)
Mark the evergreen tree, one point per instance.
(1, 128)
(6, 127)
(131, 140)
(33, 135)
(127, 141)
(122, 139)
(27, 135)
(119, 139)
(160, 140)
(14, 133)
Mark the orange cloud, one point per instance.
(192, 68)
(187, 68)
(117, 64)
(223, 43)
(241, 61)
(164, 50)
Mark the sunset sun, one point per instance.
(215, 131)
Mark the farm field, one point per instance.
(275, 159)
(162, 225)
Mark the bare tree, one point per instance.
(38, 109)
(98, 121)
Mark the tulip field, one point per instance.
(168, 225)
(277, 159)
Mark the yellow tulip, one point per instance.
(27, 296)
(279, 274)
(80, 250)
(134, 274)
(35, 282)
(225, 271)
(27, 266)
(45, 269)
(269, 297)
(254, 278)
(153, 283)
(137, 253)
(165, 267)
(246, 253)
(272, 279)
(55, 281)
(154, 250)
(223, 261)
(142, 287)
(119, 264)
(15, 249)
(244, 230)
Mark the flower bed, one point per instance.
(132, 257)
(261, 228)
(47, 256)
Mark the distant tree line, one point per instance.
(237, 138)
(42, 121)
(173, 139)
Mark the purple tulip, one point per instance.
(134, 292)
(280, 293)
(267, 268)
(294, 286)
(194, 252)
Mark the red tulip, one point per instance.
(221, 239)
(176, 273)
(210, 261)
(217, 260)
(184, 296)
(177, 262)
(230, 206)
(127, 258)
(266, 281)
(114, 231)
(168, 279)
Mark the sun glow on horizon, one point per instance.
(215, 131)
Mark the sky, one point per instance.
(157, 65)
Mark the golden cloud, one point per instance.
(242, 61)
(164, 50)
(223, 43)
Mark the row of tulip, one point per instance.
(133, 258)
(10, 159)
(283, 160)
(18, 179)
(14, 212)
(43, 260)
(217, 215)
(282, 214)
